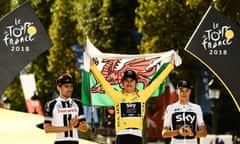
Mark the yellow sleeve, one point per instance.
(148, 91)
(112, 93)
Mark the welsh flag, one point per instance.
(113, 66)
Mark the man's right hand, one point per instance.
(73, 122)
(186, 131)
(91, 62)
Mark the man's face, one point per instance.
(65, 90)
(129, 84)
(184, 94)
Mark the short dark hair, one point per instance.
(130, 74)
(63, 79)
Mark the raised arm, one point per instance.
(147, 92)
(112, 93)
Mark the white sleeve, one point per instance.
(200, 120)
(167, 117)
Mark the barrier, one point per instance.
(217, 139)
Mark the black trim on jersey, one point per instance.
(61, 108)
(80, 106)
(47, 121)
(82, 119)
(63, 104)
(65, 123)
(68, 104)
(67, 118)
(49, 107)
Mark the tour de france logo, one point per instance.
(217, 39)
(18, 35)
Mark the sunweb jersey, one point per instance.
(59, 112)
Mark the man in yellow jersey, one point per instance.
(129, 103)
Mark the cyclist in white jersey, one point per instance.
(64, 115)
(183, 120)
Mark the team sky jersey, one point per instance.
(59, 112)
(130, 107)
(178, 115)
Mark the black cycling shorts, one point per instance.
(128, 139)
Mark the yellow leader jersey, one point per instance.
(130, 107)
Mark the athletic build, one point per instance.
(64, 115)
(129, 103)
(183, 119)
